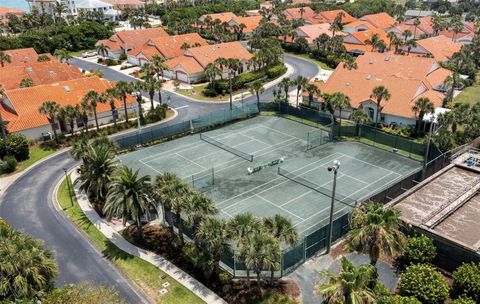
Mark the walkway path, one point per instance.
(176, 273)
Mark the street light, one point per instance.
(334, 168)
(68, 185)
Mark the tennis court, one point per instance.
(269, 165)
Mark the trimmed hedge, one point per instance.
(418, 249)
(463, 300)
(466, 281)
(424, 283)
(17, 146)
(8, 164)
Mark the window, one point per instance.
(371, 113)
(80, 123)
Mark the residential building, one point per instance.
(313, 31)
(6, 12)
(359, 42)
(94, 6)
(39, 73)
(305, 13)
(439, 47)
(357, 26)
(329, 16)
(19, 107)
(250, 23)
(446, 207)
(125, 4)
(268, 5)
(381, 21)
(167, 47)
(465, 36)
(300, 2)
(190, 66)
(124, 41)
(423, 30)
(222, 17)
(407, 78)
(48, 6)
(20, 57)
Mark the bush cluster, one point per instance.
(424, 283)
(463, 300)
(466, 281)
(108, 61)
(157, 114)
(418, 249)
(16, 146)
(8, 164)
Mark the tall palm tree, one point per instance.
(375, 230)
(137, 87)
(122, 90)
(312, 91)
(26, 82)
(240, 229)
(350, 286)
(96, 172)
(212, 235)
(339, 101)
(373, 41)
(2, 122)
(285, 85)
(158, 65)
(416, 23)
(128, 197)
(406, 34)
(85, 110)
(300, 82)
(63, 55)
(379, 94)
(151, 85)
(233, 66)
(391, 36)
(410, 44)
(102, 50)
(282, 229)
(359, 117)
(109, 95)
(256, 88)
(421, 107)
(212, 71)
(51, 109)
(71, 114)
(4, 58)
(92, 98)
(198, 206)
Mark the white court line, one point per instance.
(302, 139)
(281, 208)
(195, 163)
(370, 164)
(150, 167)
(271, 181)
(182, 107)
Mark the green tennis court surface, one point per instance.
(300, 192)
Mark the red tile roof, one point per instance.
(185, 63)
(359, 39)
(24, 103)
(251, 22)
(209, 53)
(39, 72)
(132, 39)
(312, 31)
(441, 47)
(381, 20)
(308, 15)
(6, 11)
(21, 57)
(223, 17)
(358, 23)
(330, 16)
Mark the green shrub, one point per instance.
(122, 56)
(419, 249)
(17, 146)
(275, 71)
(463, 300)
(8, 164)
(110, 62)
(209, 92)
(157, 114)
(424, 283)
(466, 281)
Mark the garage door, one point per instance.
(181, 76)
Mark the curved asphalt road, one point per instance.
(27, 204)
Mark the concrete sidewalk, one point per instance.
(176, 273)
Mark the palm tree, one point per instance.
(416, 23)
(375, 230)
(359, 117)
(59, 8)
(211, 234)
(397, 43)
(71, 114)
(96, 172)
(451, 83)
(312, 91)
(102, 50)
(122, 90)
(421, 107)
(300, 82)
(350, 286)
(63, 55)
(212, 71)
(391, 36)
(285, 85)
(128, 197)
(85, 110)
(198, 206)
(158, 65)
(92, 98)
(109, 95)
(26, 82)
(339, 101)
(256, 88)
(240, 229)
(282, 229)
(233, 66)
(27, 269)
(373, 41)
(410, 44)
(4, 58)
(151, 85)
(51, 109)
(380, 93)
(406, 34)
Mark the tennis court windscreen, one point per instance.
(223, 146)
(316, 138)
(300, 180)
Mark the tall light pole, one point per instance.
(334, 168)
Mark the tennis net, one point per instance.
(220, 145)
(300, 180)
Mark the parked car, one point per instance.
(89, 54)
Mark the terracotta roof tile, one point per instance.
(6, 11)
(381, 20)
(357, 39)
(25, 102)
(308, 15)
(251, 22)
(330, 16)
(209, 53)
(133, 38)
(40, 73)
(185, 63)
(20, 57)
(223, 17)
(358, 23)
(312, 31)
(441, 47)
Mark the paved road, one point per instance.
(27, 204)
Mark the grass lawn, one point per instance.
(144, 274)
(79, 53)
(322, 64)
(196, 93)
(36, 153)
(470, 95)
